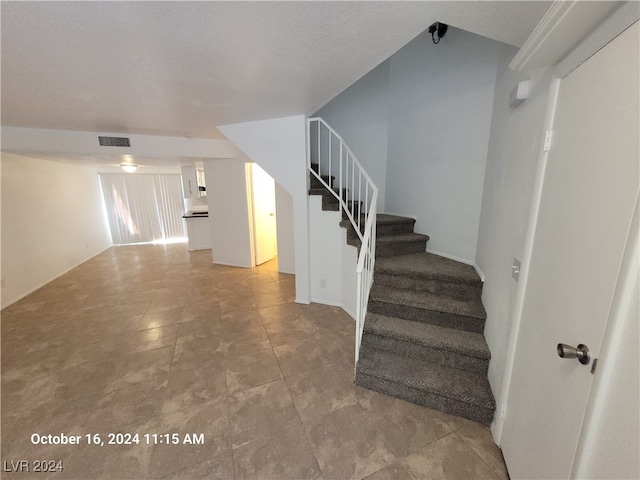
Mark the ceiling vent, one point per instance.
(114, 141)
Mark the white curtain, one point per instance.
(143, 208)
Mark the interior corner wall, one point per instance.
(279, 146)
(53, 219)
(285, 227)
(440, 104)
(228, 212)
(419, 123)
(360, 116)
(512, 160)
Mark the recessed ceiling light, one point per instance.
(129, 167)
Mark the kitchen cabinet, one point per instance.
(193, 185)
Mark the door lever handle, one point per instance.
(581, 352)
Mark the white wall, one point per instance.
(360, 115)
(333, 261)
(52, 220)
(227, 197)
(512, 160)
(327, 238)
(419, 124)
(284, 222)
(279, 146)
(440, 115)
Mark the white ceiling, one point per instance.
(181, 68)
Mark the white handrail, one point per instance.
(360, 208)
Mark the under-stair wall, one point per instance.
(278, 145)
(333, 262)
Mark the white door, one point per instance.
(264, 215)
(590, 185)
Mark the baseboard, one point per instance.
(349, 312)
(31, 290)
(230, 264)
(333, 304)
(326, 302)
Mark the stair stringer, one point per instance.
(332, 261)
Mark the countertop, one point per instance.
(192, 214)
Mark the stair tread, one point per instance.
(468, 343)
(401, 238)
(428, 265)
(384, 219)
(322, 191)
(448, 382)
(428, 301)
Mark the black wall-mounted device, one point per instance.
(437, 31)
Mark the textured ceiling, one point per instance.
(182, 68)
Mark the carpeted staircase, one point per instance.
(422, 339)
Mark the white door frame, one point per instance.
(498, 425)
(619, 21)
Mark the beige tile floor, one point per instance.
(155, 340)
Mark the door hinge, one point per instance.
(503, 411)
(594, 365)
(547, 140)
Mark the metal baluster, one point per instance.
(340, 173)
(330, 156)
(319, 149)
(359, 197)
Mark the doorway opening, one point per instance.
(262, 210)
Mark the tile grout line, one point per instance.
(284, 379)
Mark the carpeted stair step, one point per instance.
(393, 224)
(351, 232)
(426, 307)
(430, 343)
(315, 183)
(354, 207)
(396, 226)
(389, 246)
(450, 390)
(394, 235)
(428, 272)
(400, 244)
